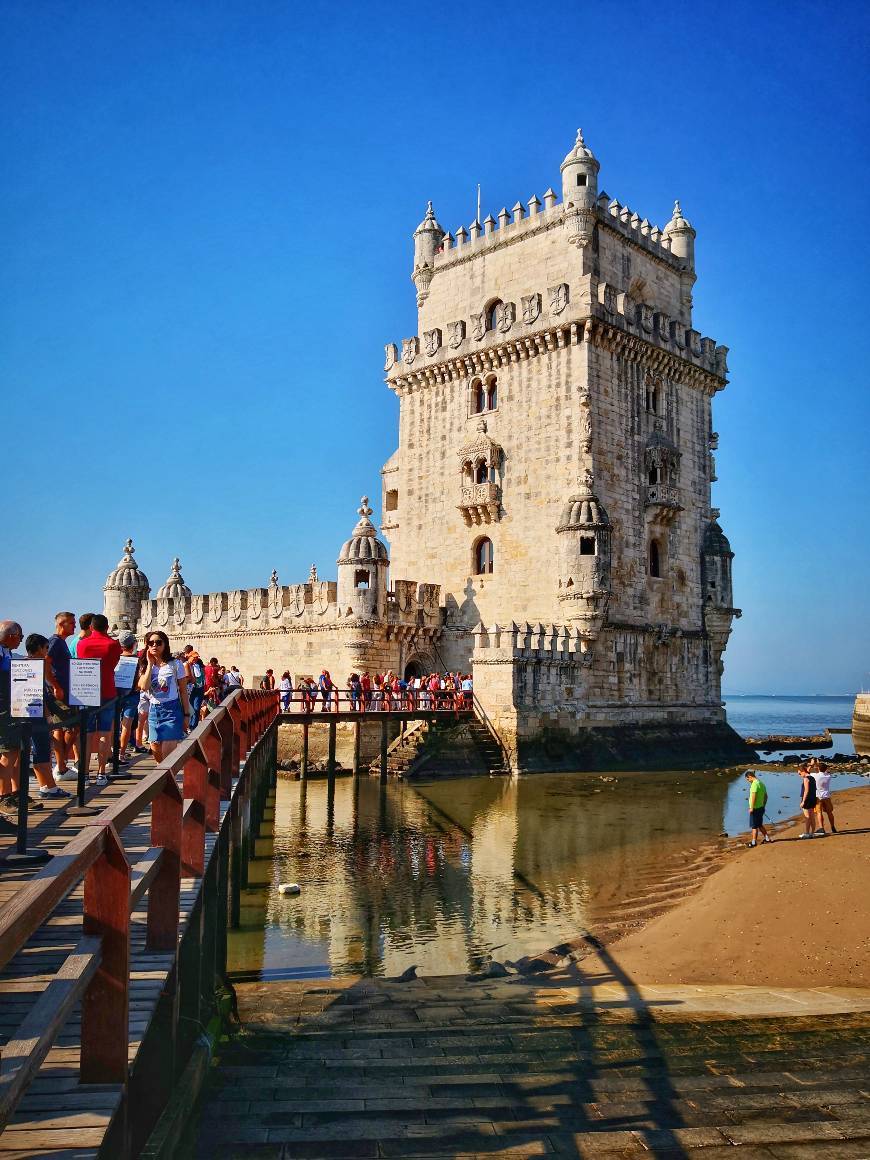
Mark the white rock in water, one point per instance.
(289, 888)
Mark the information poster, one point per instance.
(27, 688)
(125, 671)
(84, 683)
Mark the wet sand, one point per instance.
(794, 913)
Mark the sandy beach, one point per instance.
(793, 913)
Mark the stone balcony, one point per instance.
(480, 503)
(664, 500)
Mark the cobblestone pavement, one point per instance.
(531, 1067)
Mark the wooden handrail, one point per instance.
(23, 1055)
(98, 971)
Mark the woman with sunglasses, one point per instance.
(162, 677)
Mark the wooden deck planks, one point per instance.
(57, 1117)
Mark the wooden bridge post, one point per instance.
(194, 815)
(235, 864)
(105, 1030)
(164, 891)
(357, 734)
(303, 768)
(384, 746)
(330, 760)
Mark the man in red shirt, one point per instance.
(98, 645)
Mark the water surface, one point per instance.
(447, 874)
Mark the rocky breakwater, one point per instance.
(861, 723)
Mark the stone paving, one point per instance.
(523, 1067)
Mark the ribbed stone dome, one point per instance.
(174, 588)
(715, 541)
(583, 509)
(429, 224)
(127, 575)
(363, 546)
(677, 222)
(580, 152)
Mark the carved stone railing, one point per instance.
(480, 503)
(664, 499)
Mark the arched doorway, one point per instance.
(419, 665)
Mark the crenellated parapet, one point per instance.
(543, 324)
(504, 644)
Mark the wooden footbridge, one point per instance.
(112, 954)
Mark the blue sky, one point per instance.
(206, 212)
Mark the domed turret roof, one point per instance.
(127, 574)
(715, 541)
(483, 445)
(174, 588)
(429, 224)
(678, 224)
(583, 509)
(363, 547)
(580, 152)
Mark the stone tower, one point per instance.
(125, 588)
(363, 565)
(564, 331)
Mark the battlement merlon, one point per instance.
(540, 642)
(314, 604)
(548, 319)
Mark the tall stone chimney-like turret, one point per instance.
(428, 237)
(363, 564)
(682, 237)
(580, 191)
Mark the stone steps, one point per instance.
(499, 1070)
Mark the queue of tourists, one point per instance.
(816, 802)
(170, 694)
(374, 693)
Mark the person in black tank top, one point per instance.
(809, 801)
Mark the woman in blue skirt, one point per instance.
(163, 679)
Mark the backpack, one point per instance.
(198, 675)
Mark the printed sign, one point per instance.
(84, 683)
(125, 671)
(27, 678)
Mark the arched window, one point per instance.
(652, 400)
(653, 476)
(478, 398)
(481, 474)
(483, 557)
(361, 578)
(655, 563)
(492, 394)
(492, 314)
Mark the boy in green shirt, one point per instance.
(757, 802)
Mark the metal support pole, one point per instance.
(21, 856)
(384, 740)
(80, 810)
(330, 760)
(304, 766)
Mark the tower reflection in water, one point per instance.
(446, 875)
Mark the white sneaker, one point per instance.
(101, 779)
(69, 774)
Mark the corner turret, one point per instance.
(174, 588)
(682, 238)
(363, 564)
(427, 241)
(580, 191)
(125, 588)
(584, 559)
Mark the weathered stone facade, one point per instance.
(555, 462)
(551, 484)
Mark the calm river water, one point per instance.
(445, 875)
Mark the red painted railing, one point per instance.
(184, 793)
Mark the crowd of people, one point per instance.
(170, 694)
(816, 802)
(381, 692)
